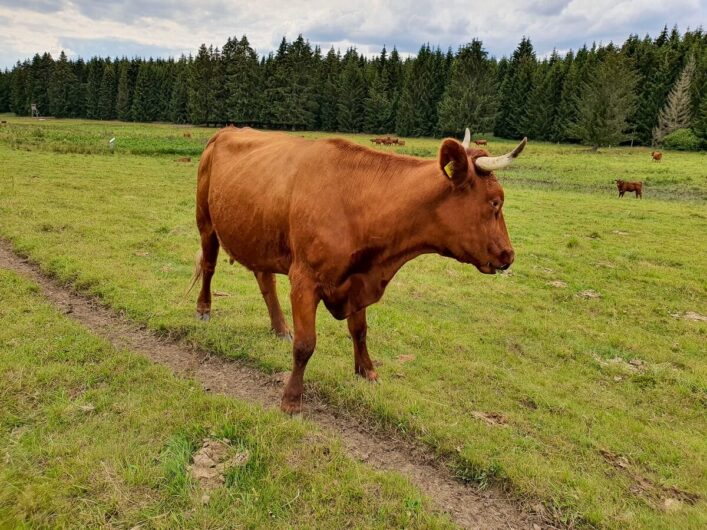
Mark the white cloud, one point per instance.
(173, 27)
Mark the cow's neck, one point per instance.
(398, 230)
(405, 225)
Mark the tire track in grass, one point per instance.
(468, 506)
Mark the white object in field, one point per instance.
(111, 144)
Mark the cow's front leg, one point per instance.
(304, 299)
(362, 362)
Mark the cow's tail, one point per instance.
(198, 271)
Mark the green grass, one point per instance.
(600, 440)
(93, 437)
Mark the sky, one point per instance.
(162, 28)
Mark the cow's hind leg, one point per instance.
(209, 255)
(304, 299)
(266, 282)
(362, 362)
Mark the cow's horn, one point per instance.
(491, 163)
(467, 138)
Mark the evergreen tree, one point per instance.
(699, 124)
(242, 83)
(470, 96)
(5, 90)
(352, 91)
(378, 106)
(62, 89)
(145, 106)
(179, 100)
(607, 100)
(200, 88)
(78, 92)
(299, 106)
(329, 96)
(396, 77)
(93, 87)
(107, 94)
(124, 97)
(422, 90)
(677, 112)
(217, 89)
(39, 80)
(517, 86)
(19, 99)
(545, 100)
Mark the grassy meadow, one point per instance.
(93, 437)
(578, 380)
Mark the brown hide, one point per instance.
(340, 220)
(657, 156)
(625, 186)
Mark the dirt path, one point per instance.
(468, 506)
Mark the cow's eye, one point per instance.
(496, 204)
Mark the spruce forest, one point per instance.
(646, 91)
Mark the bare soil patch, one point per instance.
(467, 505)
(212, 461)
(661, 497)
(690, 315)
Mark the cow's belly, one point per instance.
(252, 232)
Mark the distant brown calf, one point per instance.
(657, 156)
(187, 134)
(624, 186)
(480, 142)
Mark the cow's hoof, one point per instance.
(291, 407)
(205, 316)
(368, 375)
(284, 335)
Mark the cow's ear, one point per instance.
(453, 161)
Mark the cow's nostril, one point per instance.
(507, 257)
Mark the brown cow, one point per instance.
(657, 156)
(340, 220)
(624, 186)
(480, 142)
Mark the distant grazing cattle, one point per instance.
(480, 142)
(184, 159)
(187, 134)
(657, 156)
(340, 220)
(624, 186)
(387, 140)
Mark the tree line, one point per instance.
(641, 91)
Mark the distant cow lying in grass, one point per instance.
(480, 142)
(657, 156)
(387, 140)
(630, 186)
